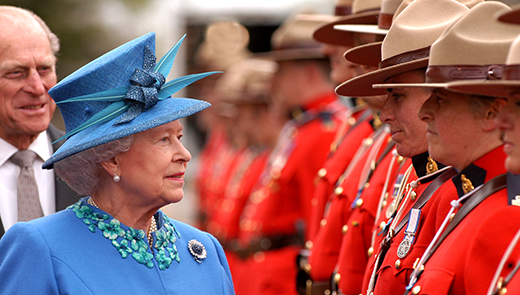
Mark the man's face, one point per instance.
(400, 112)
(341, 69)
(27, 72)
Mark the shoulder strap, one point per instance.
(426, 195)
(489, 188)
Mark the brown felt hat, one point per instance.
(406, 46)
(473, 48)
(363, 12)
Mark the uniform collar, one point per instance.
(480, 171)
(420, 163)
(319, 103)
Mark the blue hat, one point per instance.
(118, 94)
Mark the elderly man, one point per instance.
(27, 72)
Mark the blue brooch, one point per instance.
(197, 250)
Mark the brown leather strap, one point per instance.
(405, 57)
(342, 10)
(385, 20)
(423, 199)
(489, 188)
(511, 72)
(317, 288)
(443, 74)
(269, 243)
(426, 195)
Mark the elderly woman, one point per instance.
(124, 150)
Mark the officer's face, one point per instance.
(400, 113)
(453, 130)
(341, 69)
(509, 123)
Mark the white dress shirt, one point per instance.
(9, 176)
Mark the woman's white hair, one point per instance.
(82, 171)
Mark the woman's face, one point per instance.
(153, 169)
(452, 128)
(508, 122)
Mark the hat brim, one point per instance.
(165, 111)
(362, 85)
(328, 34)
(366, 55)
(497, 88)
(408, 85)
(361, 28)
(511, 17)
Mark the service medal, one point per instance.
(404, 247)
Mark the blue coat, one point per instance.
(80, 251)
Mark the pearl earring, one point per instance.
(116, 178)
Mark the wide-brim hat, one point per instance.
(363, 13)
(246, 82)
(512, 16)
(510, 74)
(382, 24)
(122, 92)
(406, 47)
(473, 48)
(293, 39)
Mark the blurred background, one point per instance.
(89, 28)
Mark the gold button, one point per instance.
(416, 290)
(259, 256)
(314, 202)
(502, 291)
(400, 159)
(370, 251)
(413, 195)
(308, 245)
(338, 191)
(351, 121)
(451, 216)
(322, 172)
(323, 222)
(397, 264)
(359, 202)
(344, 229)
(327, 292)
(337, 278)
(276, 173)
(307, 268)
(382, 225)
(368, 141)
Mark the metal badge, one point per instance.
(197, 250)
(404, 247)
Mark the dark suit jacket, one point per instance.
(65, 196)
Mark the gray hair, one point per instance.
(82, 171)
(480, 104)
(53, 39)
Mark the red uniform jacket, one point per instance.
(466, 260)
(335, 165)
(393, 273)
(357, 231)
(326, 245)
(281, 201)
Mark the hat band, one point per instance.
(340, 10)
(511, 72)
(385, 20)
(405, 57)
(443, 74)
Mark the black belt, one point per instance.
(269, 243)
